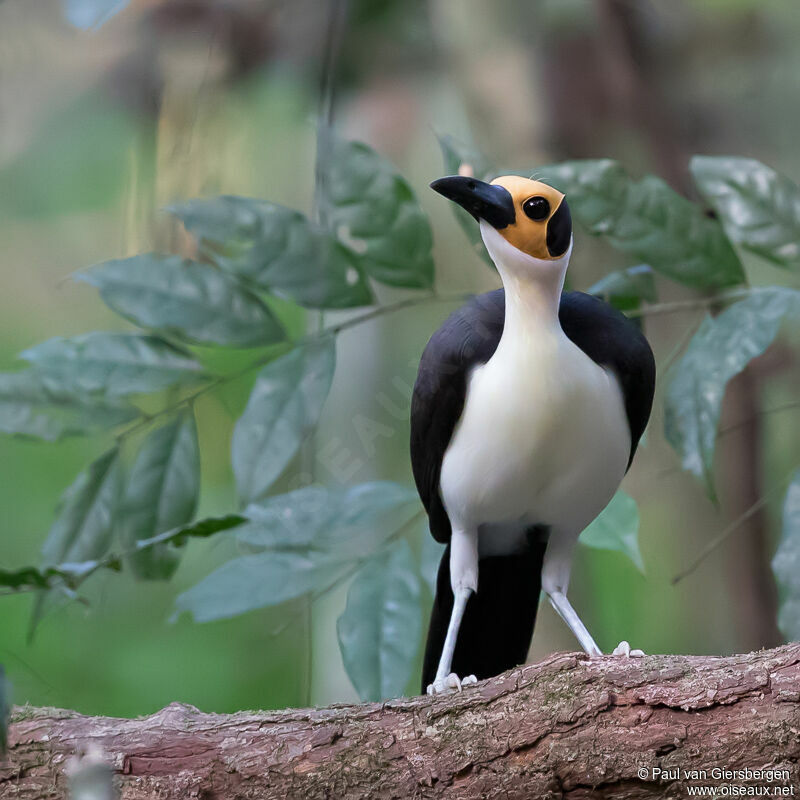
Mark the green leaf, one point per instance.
(786, 563)
(374, 214)
(5, 709)
(462, 159)
(626, 289)
(284, 406)
(297, 543)
(83, 528)
(675, 237)
(617, 528)
(276, 249)
(345, 524)
(112, 364)
(30, 405)
(648, 220)
(721, 348)
(161, 495)
(596, 191)
(759, 208)
(194, 301)
(250, 582)
(380, 628)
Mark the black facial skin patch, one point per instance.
(559, 231)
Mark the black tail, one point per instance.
(497, 627)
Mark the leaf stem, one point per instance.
(732, 528)
(732, 428)
(221, 380)
(688, 305)
(350, 571)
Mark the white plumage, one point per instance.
(558, 442)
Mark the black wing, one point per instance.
(470, 336)
(610, 339)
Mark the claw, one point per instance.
(624, 649)
(452, 683)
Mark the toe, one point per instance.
(622, 649)
(452, 682)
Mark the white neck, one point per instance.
(533, 286)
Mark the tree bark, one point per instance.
(568, 727)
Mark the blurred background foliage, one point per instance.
(113, 112)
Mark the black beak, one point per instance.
(482, 200)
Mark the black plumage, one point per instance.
(467, 338)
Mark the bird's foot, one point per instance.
(449, 684)
(624, 649)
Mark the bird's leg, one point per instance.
(446, 680)
(555, 580)
(565, 610)
(464, 581)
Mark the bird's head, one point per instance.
(527, 216)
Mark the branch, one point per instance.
(734, 526)
(568, 727)
(145, 420)
(691, 303)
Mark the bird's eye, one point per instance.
(536, 208)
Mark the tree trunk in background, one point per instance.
(613, 74)
(749, 572)
(569, 727)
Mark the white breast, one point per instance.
(543, 438)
